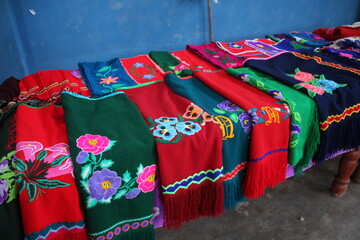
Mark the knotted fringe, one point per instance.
(206, 200)
(264, 173)
(233, 192)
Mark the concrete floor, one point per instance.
(300, 208)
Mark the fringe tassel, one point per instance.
(265, 173)
(233, 192)
(203, 201)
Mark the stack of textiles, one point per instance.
(130, 144)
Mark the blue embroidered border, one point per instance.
(268, 153)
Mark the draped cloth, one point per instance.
(235, 125)
(49, 200)
(189, 153)
(114, 165)
(305, 132)
(270, 130)
(334, 85)
(193, 61)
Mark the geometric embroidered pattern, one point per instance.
(337, 118)
(233, 173)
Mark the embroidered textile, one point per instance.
(9, 89)
(193, 61)
(308, 39)
(169, 63)
(338, 32)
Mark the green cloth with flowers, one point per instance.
(113, 153)
(305, 133)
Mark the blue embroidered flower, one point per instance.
(328, 85)
(188, 127)
(165, 131)
(4, 165)
(133, 193)
(245, 122)
(235, 45)
(276, 94)
(82, 157)
(167, 120)
(229, 106)
(103, 184)
(148, 76)
(243, 77)
(253, 115)
(295, 129)
(137, 65)
(3, 191)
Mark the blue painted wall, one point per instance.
(41, 35)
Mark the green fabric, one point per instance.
(305, 133)
(113, 153)
(169, 63)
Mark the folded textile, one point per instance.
(189, 153)
(10, 216)
(168, 62)
(102, 77)
(235, 125)
(216, 56)
(9, 89)
(47, 86)
(269, 117)
(292, 46)
(308, 39)
(49, 199)
(338, 32)
(305, 133)
(193, 61)
(334, 85)
(114, 158)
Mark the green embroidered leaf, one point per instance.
(85, 172)
(58, 161)
(105, 91)
(45, 183)
(297, 70)
(106, 163)
(99, 75)
(322, 77)
(342, 85)
(107, 201)
(7, 174)
(85, 185)
(131, 184)
(91, 202)
(219, 111)
(152, 121)
(140, 169)
(126, 176)
(114, 70)
(181, 118)
(22, 185)
(103, 69)
(293, 143)
(297, 86)
(111, 144)
(92, 157)
(20, 165)
(311, 93)
(12, 194)
(31, 187)
(260, 84)
(297, 117)
(178, 138)
(234, 117)
(120, 194)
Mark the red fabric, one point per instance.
(51, 208)
(337, 32)
(179, 160)
(142, 69)
(47, 85)
(194, 62)
(269, 138)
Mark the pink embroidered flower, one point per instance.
(192, 111)
(29, 149)
(146, 179)
(180, 67)
(303, 76)
(346, 55)
(57, 150)
(94, 144)
(108, 80)
(313, 88)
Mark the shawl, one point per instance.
(10, 216)
(47, 85)
(338, 32)
(49, 200)
(216, 56)
(114, 165)
(305, 133)
(334, 85)
(9, 89)
(292, 46)
(102, 77)
(269, 117)
(308, 39)
(235, 126)
(189, 153)
(193, 61)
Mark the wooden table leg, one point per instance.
(356, 176)
(347, 165)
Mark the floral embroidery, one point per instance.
(243, 77)
(235, 45)
(102, 184)
(276, 94)
(192, 112)
(273, 115)
(222, 59)
(303, 76)
(106, 80)
(7, 178)
(188, 127)
(178, 68)
(245, 122)
(151, 69)
(33, 171)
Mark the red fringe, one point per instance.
(204, 201)
(265, 173)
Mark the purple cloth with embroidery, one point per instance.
(216, 56)
(103, 78)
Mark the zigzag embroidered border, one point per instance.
(233, 173)
(197, 178)
(337, 118)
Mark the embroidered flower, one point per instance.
(188, 128)
(4, 165)
(254, 117)
(82, 157)
(165, 131)
(180, 67)
(148, 76)
(132, 194)
(57, 150)
(29, 148)
(303, 76)
(229, 106)
(235, 45)
(3, 191)
(207, 117)
(103, 184)
(167, 120)
(192, 112)
(243, 77)
(146, 179)
(276, 94)
(245, 122)
(108, 80)
(94, 144)
(313, 88)
(346, 55)
(328, 85)
(137, 65)
(294, 129)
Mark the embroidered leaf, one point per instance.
(234, 117)
(85, 185)
(342, 85)
(322, 77)
(12, 194)
(111, 144)
(93, 157)
(85, 171)
(103, 69)
(91, 202)
(31, 187)
(6, 175)
(178, 138)
(20, 165)
(22, 185)
(106, 163)
(58, 161)
(126, 176)
(260, 84)
(120, 194)
(152, 121)
(219, 111)
(114, 70)
(105, 91)
(311, 93)
(297, 116)
(297, 86)
(107, 201)
(45, 183)
(10, 154)
(99, 75)
(140, 169)
(297, 70)
(131, 184)
(293, 143)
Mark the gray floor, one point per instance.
(299, 208)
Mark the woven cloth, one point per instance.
(193, 61)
